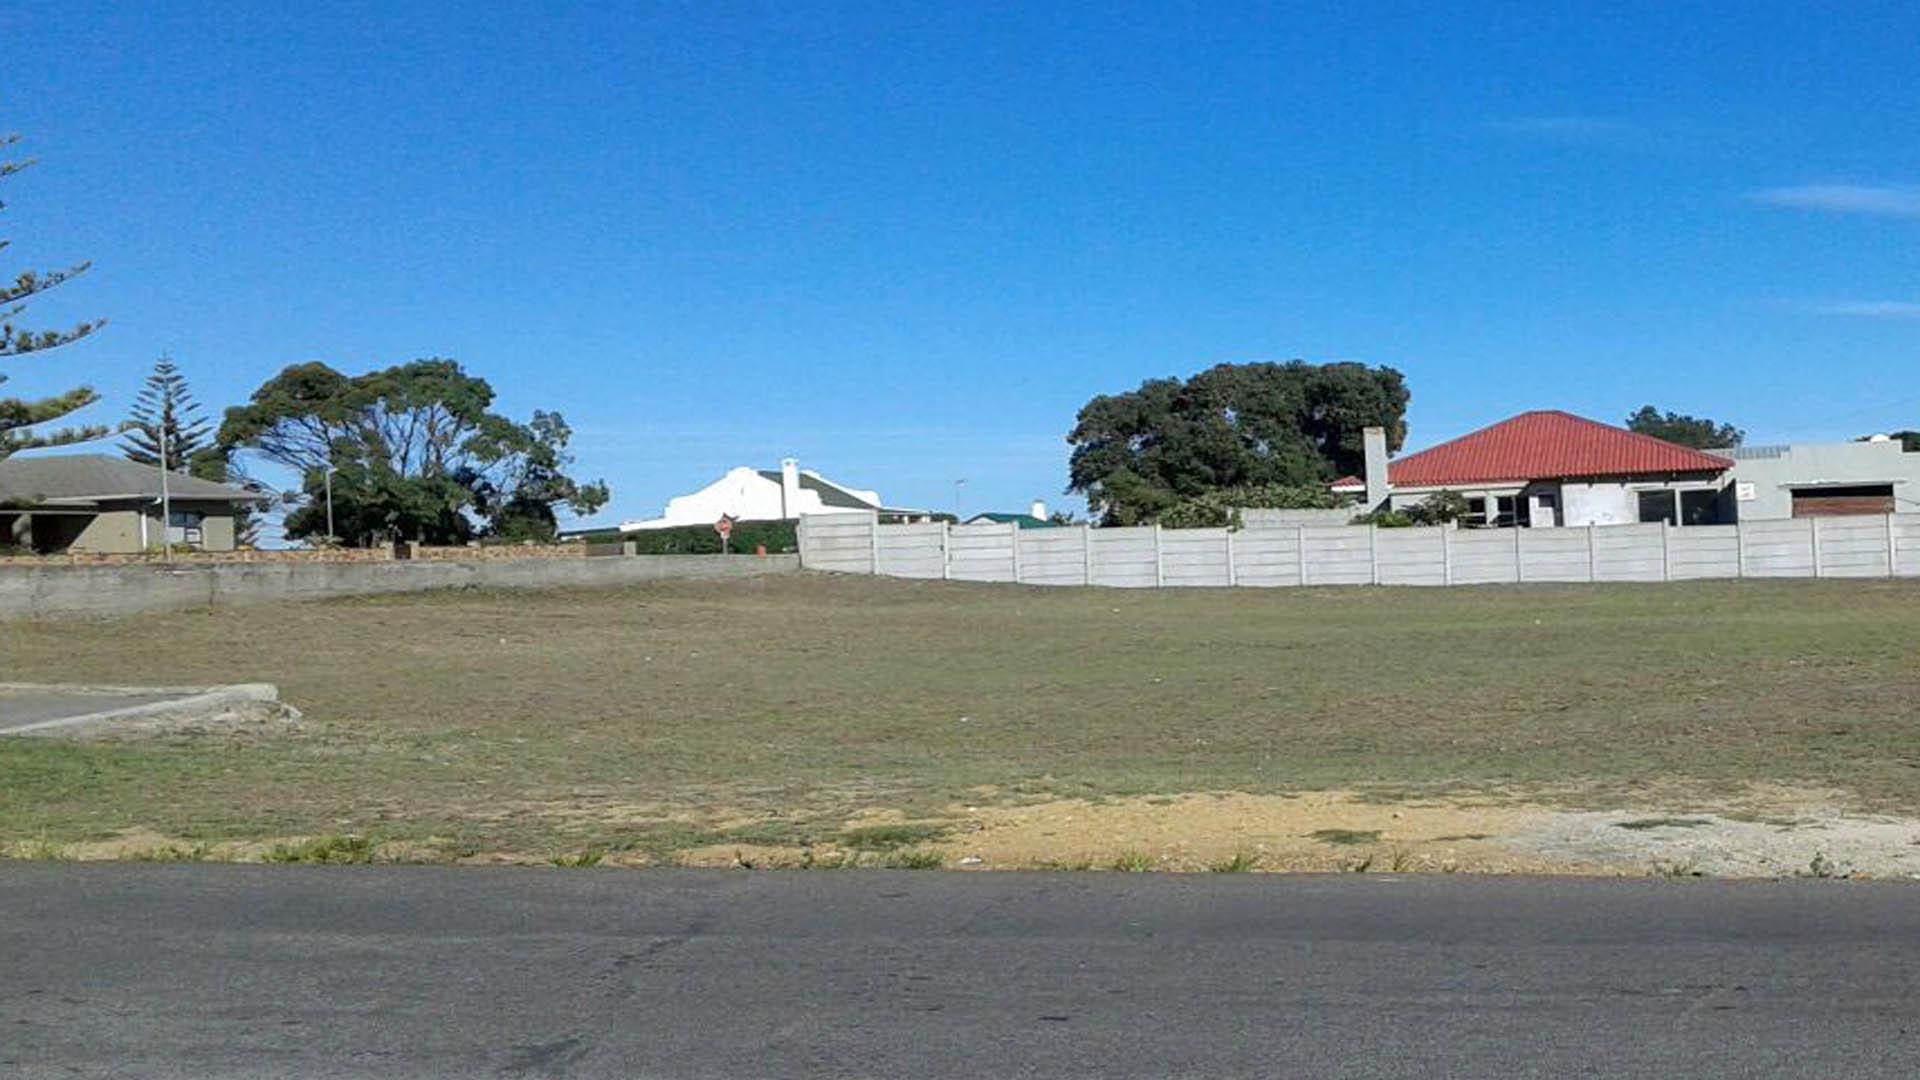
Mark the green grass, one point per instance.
(1240, 862)
(889, 837)
(583, 858)
(1133, 861)
(333, 850)
(773, 711)
(915, 859)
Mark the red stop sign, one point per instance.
(724, 527)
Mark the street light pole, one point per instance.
(332, 540)
(166, 499)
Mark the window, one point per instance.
(1699, 507)
(1658, 506)
(1506, 512)
(185, 527)
(1476, 512)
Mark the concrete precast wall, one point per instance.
(1485, 556)
(38, 592)
(1125, 558)
(1563, 555)
(1196, 557)
(1777, 548)
(1905, 532)
(1278, 556)
(1053, 556)
(842, 542)
(1629, 552)
(982, 552)
(913, 551)
(1267, 557)
(1411, 556)
(1703, 551)
(1337, 554)
(1852, 546)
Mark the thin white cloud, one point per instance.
(1873, 309)
(1887, 200)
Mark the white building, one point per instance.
(1548, 468)
(749, 494)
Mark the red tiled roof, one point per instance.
(1348, 483)
(1546, 445)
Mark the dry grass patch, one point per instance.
(778, 714)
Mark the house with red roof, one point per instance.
(1549, 468)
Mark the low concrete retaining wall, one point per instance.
(38, 592)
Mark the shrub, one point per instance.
(1386, 519)
(1213, 509)
(778, 536)
(1439, 508)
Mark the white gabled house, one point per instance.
(750, 494)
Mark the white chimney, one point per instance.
(1038, 509)
(1376, 458)
(789, 488)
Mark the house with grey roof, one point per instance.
(783, 494)
(97, 504)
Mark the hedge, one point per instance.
(778, 536)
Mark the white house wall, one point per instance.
(743, 495)
(1598, 504)
(1769, 473)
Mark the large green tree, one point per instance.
(1138, 454)
(413, 452)
(1697, 432)
(166, 420)
(18, 415)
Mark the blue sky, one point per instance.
(906, 242)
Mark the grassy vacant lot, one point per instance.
(777, 709)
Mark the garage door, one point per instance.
(1830, 501)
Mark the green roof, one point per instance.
(1025, 521)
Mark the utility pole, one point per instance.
(957, 485)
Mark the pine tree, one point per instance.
(165, 405)
(17, 415)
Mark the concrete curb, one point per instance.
(199, 700)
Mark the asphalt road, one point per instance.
(233, 971)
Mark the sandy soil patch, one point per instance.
(1319, 831)
(1779, 832)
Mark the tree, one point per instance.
(521, 504)
(413, 451)
(1694, 431)
(1139, 453)
(1909, 440)
(17, 415)
(165, 406)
